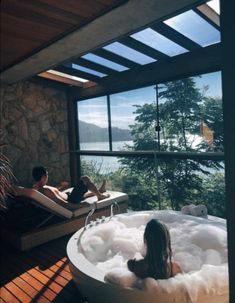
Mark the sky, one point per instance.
(95, 111)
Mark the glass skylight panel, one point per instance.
(105, 62)
(191, 25)
(157, 41)
(54, 72)
(88, 70)
(215, 5)
(128, 53)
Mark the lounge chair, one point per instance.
(67, 220)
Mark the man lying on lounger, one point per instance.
(84, 189)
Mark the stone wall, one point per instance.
(34, 128)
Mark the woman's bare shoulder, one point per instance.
(176, 269)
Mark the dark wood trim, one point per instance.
(175, 36)
(215, 156)
(143, 48)
(97, 67)
(79, 23)
(228, 80)
(109, 124)
(115, 58)
(209, 15)
(73, 140)
(204, 60)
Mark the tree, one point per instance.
(180, 112)
(212, 116)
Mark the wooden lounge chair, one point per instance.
(59, 220)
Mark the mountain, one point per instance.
(92, 133)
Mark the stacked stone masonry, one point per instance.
(34, 130)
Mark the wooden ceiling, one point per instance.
(41, 37)
(27, 26)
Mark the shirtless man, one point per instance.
(85, 188)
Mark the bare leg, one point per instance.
(102, 188)
(93, 189)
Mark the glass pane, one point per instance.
(128, 53)
(191, 25)
(123, 175)
(180, 182)
(105, 62)
(93, 124)
(191, 115)
(127, 131)
(185, 182)
(159, 42)
(88, 70)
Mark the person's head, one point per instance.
(40, 174)
(158, 244)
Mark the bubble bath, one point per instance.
(199, 245)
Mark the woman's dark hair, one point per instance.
(158, 256)
(38, 172)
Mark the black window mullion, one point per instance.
(109, 124)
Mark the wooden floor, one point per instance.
(39, 275)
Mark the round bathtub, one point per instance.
(91, 283)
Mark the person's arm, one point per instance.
(63, 185)
(53, 195)
(57, 196)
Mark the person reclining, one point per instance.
(84, 189)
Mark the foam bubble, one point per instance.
(199, 246)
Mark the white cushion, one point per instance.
(57, 209)
(44, 201)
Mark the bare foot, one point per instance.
(102, 188)
(101, 197)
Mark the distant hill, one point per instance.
(92, 133)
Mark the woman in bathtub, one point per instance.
(157, 263)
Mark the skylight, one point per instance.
(105, 62)
(157, 41)
(88, 70)
(128, 53)
(54, 72)
(215, 5)
(191, 25)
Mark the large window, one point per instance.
(162, 144)
(190, 114)
(124, 112)
(93, 124)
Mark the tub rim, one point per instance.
(80, 262)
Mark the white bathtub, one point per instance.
(90, 280)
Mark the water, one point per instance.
(104, 164)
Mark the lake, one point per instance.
(103, 164)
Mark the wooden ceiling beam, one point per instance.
(115, 58)
(106, 28)
(204, 60)
(175, 36)
(95, 66)
(143, 48)
(206, 12)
